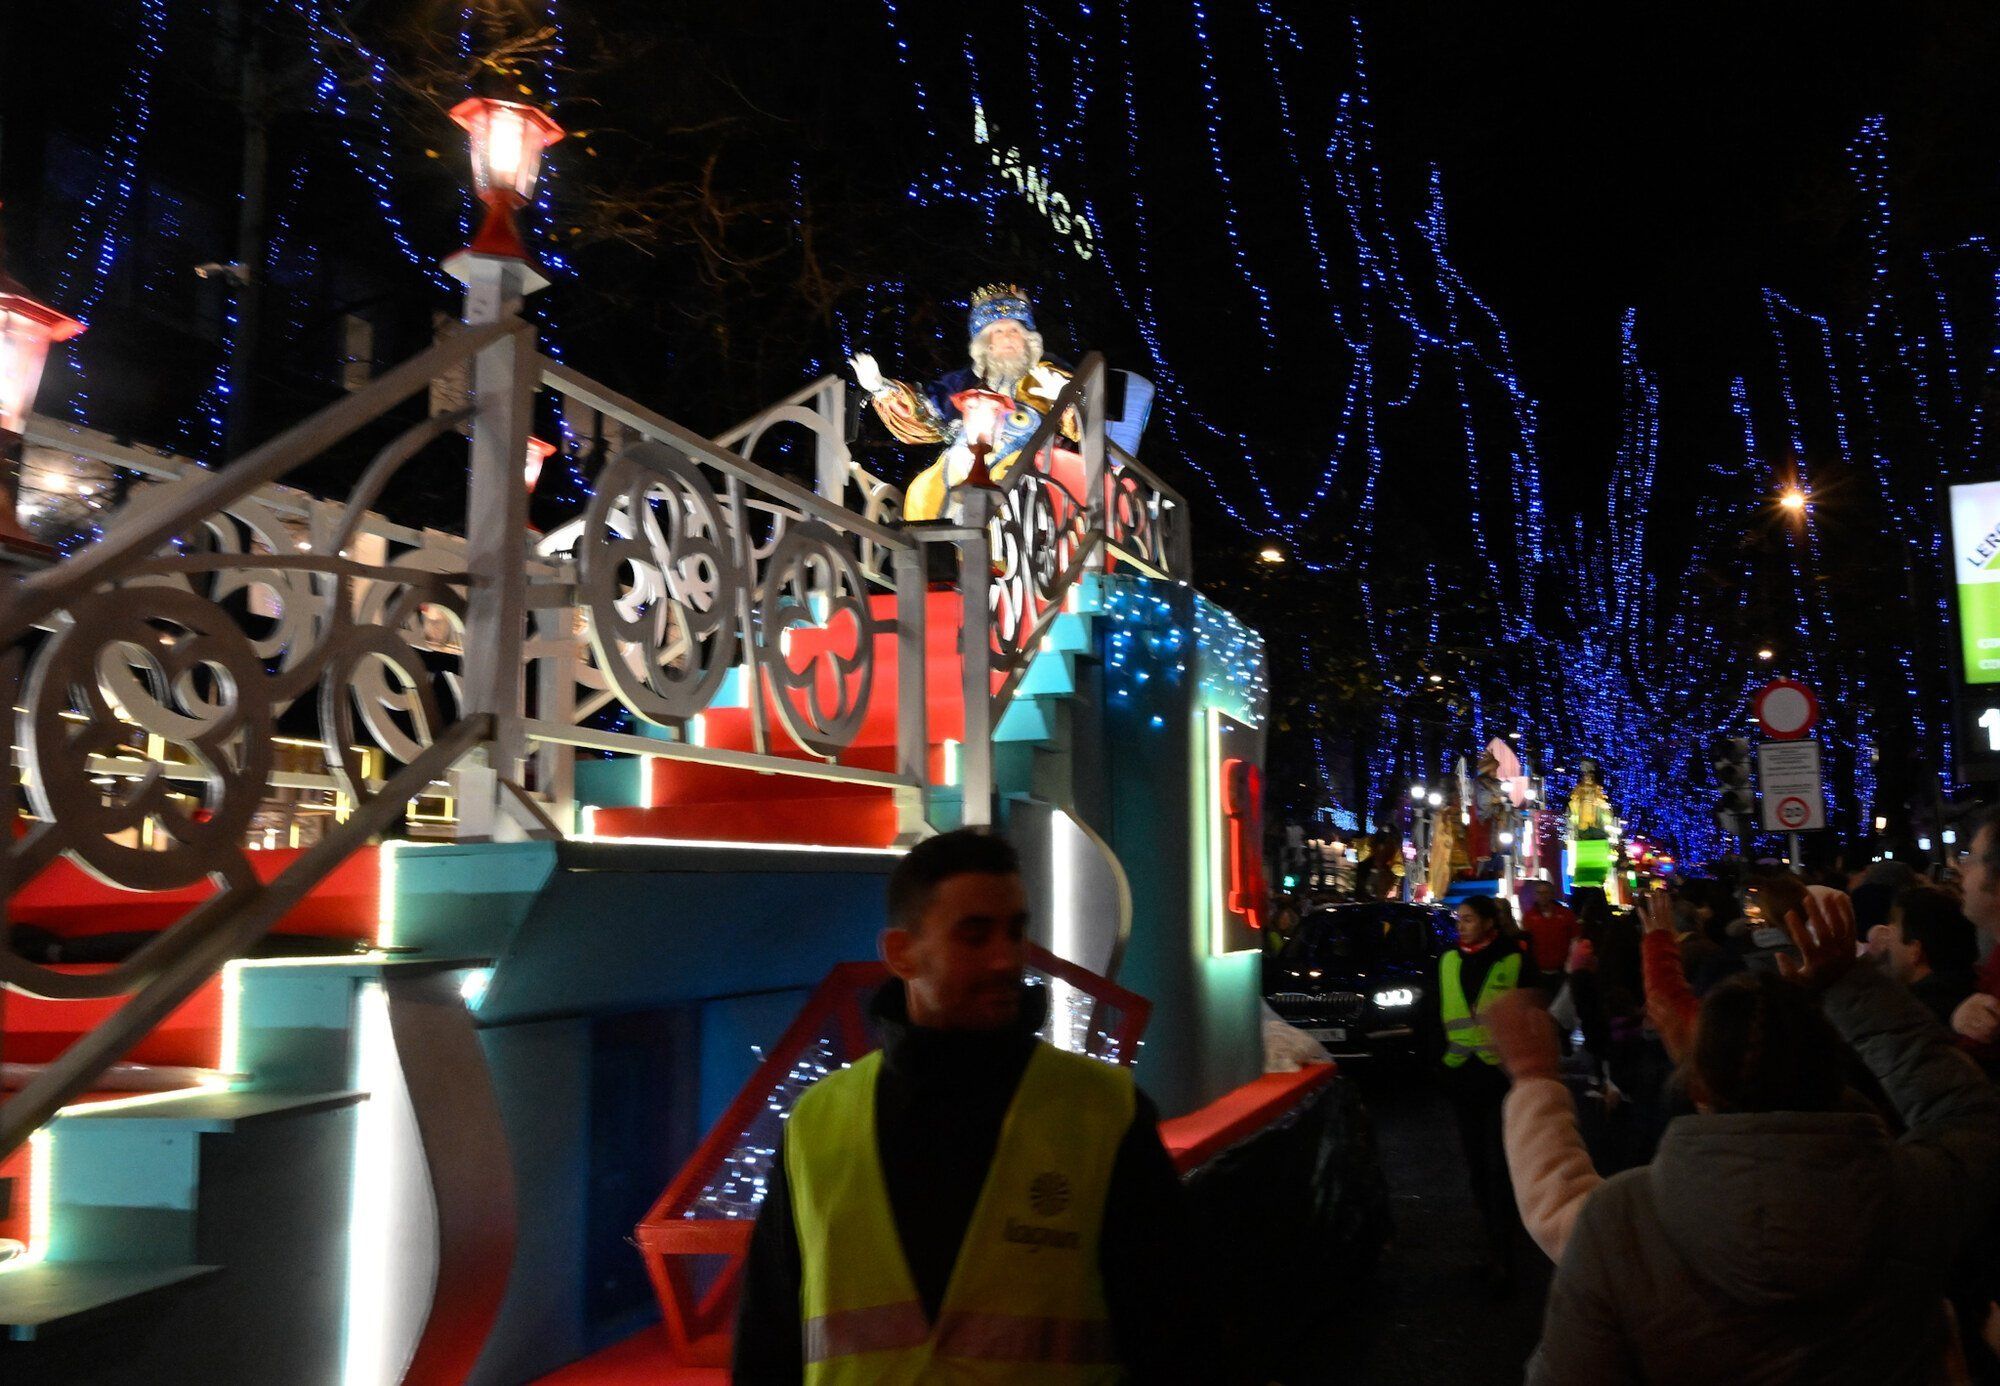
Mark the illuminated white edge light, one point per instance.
(954, 758)
(472, 986)
(41, 1200)
(729, 845)
(1062, 921)
(386, 1274)
(1208, 795)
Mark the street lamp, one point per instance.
(1271, 553)
(1792, 499)
(1417, 792)
(1767, 654)
(538, 453)
(28, 328)
(508, 138)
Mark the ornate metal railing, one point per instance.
(151, 670)
(1065, 509)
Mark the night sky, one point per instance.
(1677, 159)
(1590, 159)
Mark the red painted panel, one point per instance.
(1195, 1139)
(36, 1030)
(67, 900)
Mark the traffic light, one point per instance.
(1736, 804)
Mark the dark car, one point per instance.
(1357, 977)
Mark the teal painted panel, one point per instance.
(615, 783)
(464, 899)
(1051, 675)
(541, 1077)
(1072, 633)
(1026, 719)
(736, 1032)
(602, 941)
(125, 1164)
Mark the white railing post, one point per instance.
(913, 739)
(976, 507)
(504, 381)
(1096, 513)
(830, 444)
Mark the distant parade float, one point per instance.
(1593, 828)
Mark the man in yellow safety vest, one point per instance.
(1486, 963)
(966, 1203)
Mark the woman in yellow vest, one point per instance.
(1485, 963)
(967, 1204)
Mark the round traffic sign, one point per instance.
(1793, 812)
(1786, 709)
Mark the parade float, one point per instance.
(416, 934)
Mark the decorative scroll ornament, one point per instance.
(1136, 519)
(658, 576)
(813, 584)
(288, 611)
(178, 668)
(379, 670)
(1037, 535)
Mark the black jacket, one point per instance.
(938, 1107)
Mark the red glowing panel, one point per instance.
(1243, 814)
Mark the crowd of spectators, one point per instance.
(1754, 1123)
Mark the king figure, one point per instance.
(1007, 362)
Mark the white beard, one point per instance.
(1004, 373)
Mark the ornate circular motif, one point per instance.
(657, 574)
(286, 613)
(1132, 524)
(176, 666)
(813, 584)
(1036, 537)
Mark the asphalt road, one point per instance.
(1426, 1318)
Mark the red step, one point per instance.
(69, 902)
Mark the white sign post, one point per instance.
(1790, 798)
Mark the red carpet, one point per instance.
(641, 1360)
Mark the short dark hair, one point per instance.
(1932, 917)
(935, 860)
(1761, 1045)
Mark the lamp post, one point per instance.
(506, 140)
(28, 328)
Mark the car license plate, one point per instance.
(1336, 1035)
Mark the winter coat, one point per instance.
(1547, 1160)
(1787, 1246)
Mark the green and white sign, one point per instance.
(1975, 555)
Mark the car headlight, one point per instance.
(1395, 996)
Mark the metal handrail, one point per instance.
(630, 412)
(221, 929)
(48, 591)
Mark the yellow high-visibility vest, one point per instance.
(1026, 1299)
(1465, 1037)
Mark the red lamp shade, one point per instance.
(508, 138)
(982, 411)
(538, 453)
(27, 327)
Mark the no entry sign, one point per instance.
(1789, 795)
(1786, 709)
